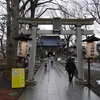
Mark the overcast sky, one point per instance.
(46, 27)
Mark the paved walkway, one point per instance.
(53, 84)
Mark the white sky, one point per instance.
(49, 27)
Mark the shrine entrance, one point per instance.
(57, 22)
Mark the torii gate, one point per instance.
(78, 32)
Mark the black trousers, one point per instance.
(51, 62)
(70, 76)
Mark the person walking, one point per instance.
(70, 68)
(52, 59)
(46, 62)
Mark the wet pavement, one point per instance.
(53, 84)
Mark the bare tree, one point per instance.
(2, 26)
(12, 31)
(33, 9)
(22, 8)
(93, 9)
(71, 9)
(2, 38)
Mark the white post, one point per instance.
(32, 56)
(80, 67)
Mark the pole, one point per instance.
(79, 54)
(32, 57)
(89, 73)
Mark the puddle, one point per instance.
(98, 81)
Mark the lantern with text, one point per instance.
(22, 44)
(91, 48)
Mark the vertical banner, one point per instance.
(18, 77)
(91, 49)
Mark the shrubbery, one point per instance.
(97, 58)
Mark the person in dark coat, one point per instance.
(70, 68)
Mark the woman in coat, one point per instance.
(70, 67)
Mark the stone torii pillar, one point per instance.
(32, 56)
(80, 67)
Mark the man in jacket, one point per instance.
(70, 67)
